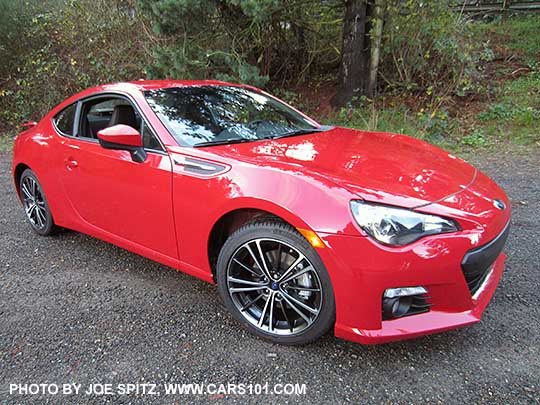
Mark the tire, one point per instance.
(291, 290)
(36, 207)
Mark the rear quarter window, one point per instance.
(65, 118)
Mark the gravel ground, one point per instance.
(77, 310)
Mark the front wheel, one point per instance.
(35, 204)
(275, 284)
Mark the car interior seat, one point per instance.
(124, 114)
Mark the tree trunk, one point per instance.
(353, 76)
(376, 38)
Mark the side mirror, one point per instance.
(123, 137)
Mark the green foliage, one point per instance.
(195, 63)
(427, 50)
(363, 113)
(500, 111)
(433, 60)
(437, 125)
(475, 139)
(519, 34)
(243, 40)
(69, 46)
(516, 114)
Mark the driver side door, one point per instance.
(113, 195)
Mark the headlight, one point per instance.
(398, 226)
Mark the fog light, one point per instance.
(396, 307)
(398, 302)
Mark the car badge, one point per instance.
(499, 204)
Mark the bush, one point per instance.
(244, 40)
(428, 50)
(69, 46)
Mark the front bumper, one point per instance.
(430, 322)
(361, 270)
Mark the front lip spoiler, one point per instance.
(463, 188)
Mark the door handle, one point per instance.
(71, 164)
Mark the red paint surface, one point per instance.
(121, 134)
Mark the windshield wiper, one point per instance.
(301, 131)
(223, 142)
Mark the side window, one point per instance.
(150, 140)
(105, 112)
(64, 119)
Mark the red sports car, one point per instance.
(303, 227)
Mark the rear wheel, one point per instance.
(275, 284)
(35, 204)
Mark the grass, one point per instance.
(431, 127)
(519, 33)
(515, 116)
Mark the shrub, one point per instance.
(244, 40)
(69, 46)
(428, 50)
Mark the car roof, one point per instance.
(160, 84)
(139, 86)
(143, 85)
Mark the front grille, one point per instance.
(420, 304)
(477, 262)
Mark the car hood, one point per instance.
(380, 167)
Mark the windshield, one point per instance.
(198, 115)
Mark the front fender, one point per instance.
(303, 200)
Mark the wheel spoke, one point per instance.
(291, 267)
(301, 304)
(299, 287)
(251, 302)
(266, 271)
(263, 313)
(39, 218)
(34, 187)
(247, 268)
(41, 209)
(30, 210)
(257, 261)
(27, 184)
(297, 274)
(304, 316)
(245, 289)
(278, 258)
(271, 318)
(247, 282)
(25, 191)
